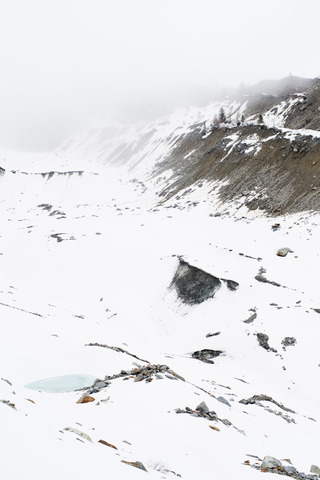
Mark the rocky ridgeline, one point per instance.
(138, 374)
(257, 399)
(273, 465)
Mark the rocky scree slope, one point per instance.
(265, 155)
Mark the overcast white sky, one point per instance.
(64, 61)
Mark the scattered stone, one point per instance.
(57, 236)
(283, 252)
(86, 399)
(275, 227)
(317, 310)
(249, 256)
(135, 464)
(212, 334)
(99, 384)
(139, 374)
(223, 400)
(315, 469)
(256, 399)
(226, 422)
(57, 212)
(78, 432)
(214, 428)
(251, 318)
(7, 381)
(231, 284)
(289, 469)
(116, 349)
(45, 206)
(175, 374)
(273, 465)
(7, 402)
(263, 279)
(206, 355)
(171, 377)
(240, 431)
(107, 444)
(288, 342)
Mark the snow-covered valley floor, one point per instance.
(85, 259)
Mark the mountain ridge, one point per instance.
(274, 159)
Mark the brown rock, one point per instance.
(107, 444)
(214, 428)
(135, 464)
(283, 252)
(86, 399)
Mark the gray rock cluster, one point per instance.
(288, 342)
(201, 410)
(273, 465)
(139, 374)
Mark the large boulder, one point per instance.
(270, 463)
(194, 286)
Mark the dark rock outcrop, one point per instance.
(194, 286)
(206, 355)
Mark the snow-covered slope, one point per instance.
(89, 287)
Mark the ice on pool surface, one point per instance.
(64, 383)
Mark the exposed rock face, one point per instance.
(194, 285)
(279, 174)
(79, 433)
